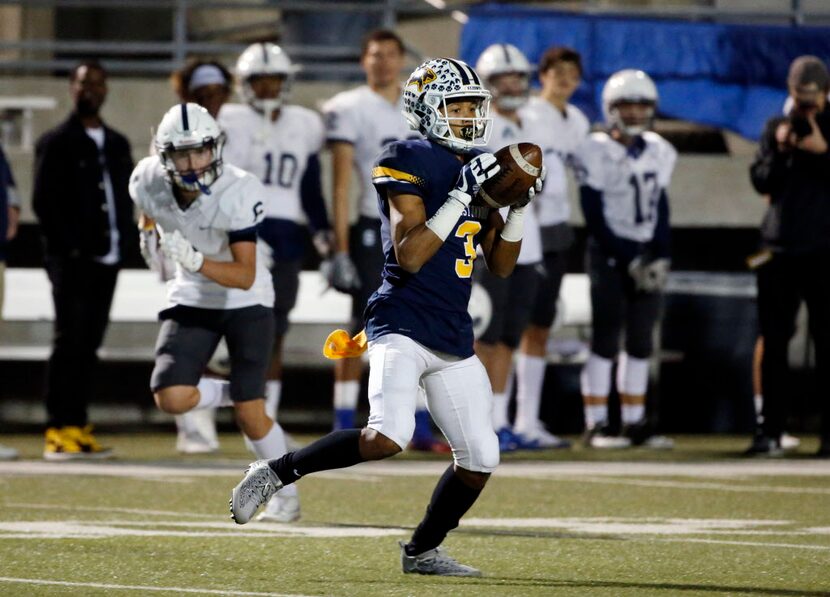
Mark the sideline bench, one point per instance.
(25, 334)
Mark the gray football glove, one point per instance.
(340, 273)
(177, 248)
(649, 276)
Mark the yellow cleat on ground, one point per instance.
(73, 443)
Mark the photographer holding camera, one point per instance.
(793, 167)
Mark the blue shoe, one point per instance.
(343, 419)
(507, 440)
(524, 442)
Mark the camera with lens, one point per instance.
(799, 123)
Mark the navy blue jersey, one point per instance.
(430, 306)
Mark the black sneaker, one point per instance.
(642, 435)
(764, 445)
(603, 438)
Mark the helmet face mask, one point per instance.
(189, 144)
(629, 102)
(260, 62)
(632, 117)
(510, 90)
(429, 94)
(464, 118)
(507, 72)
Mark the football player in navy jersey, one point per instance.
(418, 330)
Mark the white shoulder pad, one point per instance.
(590, 158)
(312, 125)
(342, 115)
(231, 114)
(148, 185)
(242, 200)
(582, 124)
(666, 157)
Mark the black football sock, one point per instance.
(450, 501)
(338, 449)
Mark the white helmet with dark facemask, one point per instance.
(264, 59)
(426, 94)
(501, 59)
(188, 127)
(629, 86)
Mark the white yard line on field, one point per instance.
(107, 586)
(744, 543)
(138, 511)
(691, 485)
(727, 469)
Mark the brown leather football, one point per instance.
(521, 165)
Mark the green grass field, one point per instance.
(693, 521)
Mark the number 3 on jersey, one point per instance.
(467, 230)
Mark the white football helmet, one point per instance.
(500, 59)
(264, 59)
(628, 85)
(480, 309)
(190, 126)
(429, 89)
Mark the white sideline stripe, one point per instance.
(97, 585)
(712, 486)
(138, 511)
(747, 543)
(78, 529)
(728, 469)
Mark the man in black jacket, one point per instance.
(82, 170)
(793, 168)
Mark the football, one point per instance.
(521, 165)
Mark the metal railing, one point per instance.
(161, 56)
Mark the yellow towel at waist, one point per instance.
(340, 346)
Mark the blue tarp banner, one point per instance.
(727, 76)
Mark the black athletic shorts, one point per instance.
(547, 293)
(285, 275)
(189, 335)
(512, 300)
(618, 308)
(366, 251)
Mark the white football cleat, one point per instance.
(281, 508)
(435, 561)
(789, 442)
(197, 432)
(259, 484)
(600, 438)
(546, 439)
(658, 442)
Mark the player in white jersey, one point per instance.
(359, 124)
(624, 175)
(279, 144)
(207, 83)
(207, 214)
(559, 128)
(506, 72)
